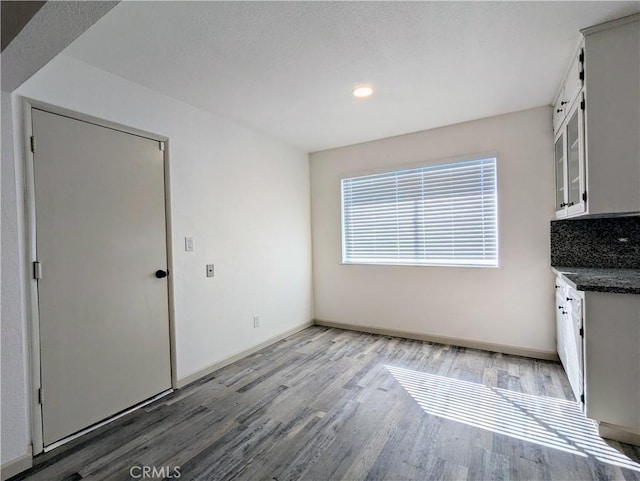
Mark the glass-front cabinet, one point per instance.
(560, 173)
(571, 197)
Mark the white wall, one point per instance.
(242, 195)
(13, 390)
(510, 306)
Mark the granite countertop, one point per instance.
(622, 281)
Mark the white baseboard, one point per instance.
(16, 466)
(453, 341)
(225, 362)
(619, 433)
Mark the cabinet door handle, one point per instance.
(564, 102)
(558, 111)
(569, 298)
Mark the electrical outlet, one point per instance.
(256, 321)
(209, 270)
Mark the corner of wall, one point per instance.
(15, 363)
(17, 465)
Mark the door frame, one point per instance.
(33, 315)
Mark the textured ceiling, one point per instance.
(14, 16)
(40, 37)
(287, 68)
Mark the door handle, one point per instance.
(161, 274)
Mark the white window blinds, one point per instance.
(436, 215)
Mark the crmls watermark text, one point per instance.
(149, 472)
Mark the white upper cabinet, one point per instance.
(612, 86)
(558, 110)
(569, 148)
(575, 161)
(596, 123)
(574, 80)
(561, 168)
(570, 89)
(570, 169)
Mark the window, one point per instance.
(436, 215)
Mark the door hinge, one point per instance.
(582, 332)
(584, 196)
(40, 395)
(32, 139)
(37, 270)
(581, 56)
(582, 398)
(583, 104)
(161, 146)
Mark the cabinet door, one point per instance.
(575, 79)
(561, 320)
(561, 194)
(575, 362)
(574, 134)
(559, 111)
(561, 328)
(569, 338)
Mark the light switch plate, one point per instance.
(209, 270)
(188, 244)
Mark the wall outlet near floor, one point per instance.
(256, 321)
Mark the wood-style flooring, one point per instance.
(329, 404)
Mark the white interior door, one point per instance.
(100, 238)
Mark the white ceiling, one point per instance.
(287, 68)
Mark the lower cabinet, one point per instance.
(569, 334)
(612, 360)
(598, 341)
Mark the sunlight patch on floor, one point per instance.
(551, 422)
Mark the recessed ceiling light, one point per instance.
(362, 91)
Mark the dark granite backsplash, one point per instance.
(612, 242)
